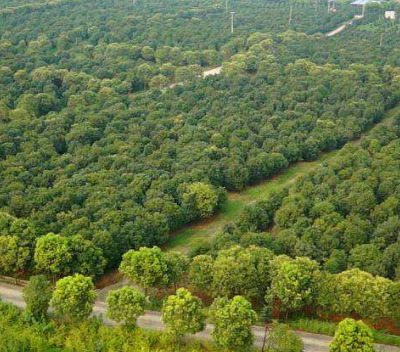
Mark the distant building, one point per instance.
(390, 15)
(361, 3)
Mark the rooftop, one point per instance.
(364, 2)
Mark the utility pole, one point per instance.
(232, 13)
(226, 5)
(363, 11)
(331, 6)
(265, 317)
(290, 14)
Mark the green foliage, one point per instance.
(16, 335)
(13, 256)
(355, 291)
(322, 216)
(241, 271)
(199, 200)
(177, 267)
(52, 254)
(232, 321)
(281, 339)
(394, 301)
(147, 267)
(200, 272)
(314, 326)
(367, 257)
(336, 262)
(352, 336)
(87, 259)
(73, 298)
(329, 328)
(183, 313)
(125, 305)
(88, 150)
(37, 295)
(293, 282)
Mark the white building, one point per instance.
(390, 15)
(361, 3)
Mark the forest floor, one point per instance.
(183, 239)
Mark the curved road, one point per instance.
(152, 320)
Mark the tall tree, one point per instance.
(281, 339)
(352, 336)
(178, 266)
(52, 255)
(125, 305)
(37, 295)
(183, 313)
(241, 271)
(200, 272)
(86, 258)
(73, 298)
(13, 256)
(293, 282)
(147, 267)
(200, 200)
(232, 321)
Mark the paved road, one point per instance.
(151, 320)
(212, 72)
(337, 30)
(343, 26)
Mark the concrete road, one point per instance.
(152, 320)
(336, 31)
(212, 72)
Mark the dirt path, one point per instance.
(188, 236)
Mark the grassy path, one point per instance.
(186, 237)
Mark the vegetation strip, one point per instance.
(187, 237)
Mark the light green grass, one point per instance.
(205, 229)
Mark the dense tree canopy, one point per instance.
(111, 138)
(94, 147)
(344, 214)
